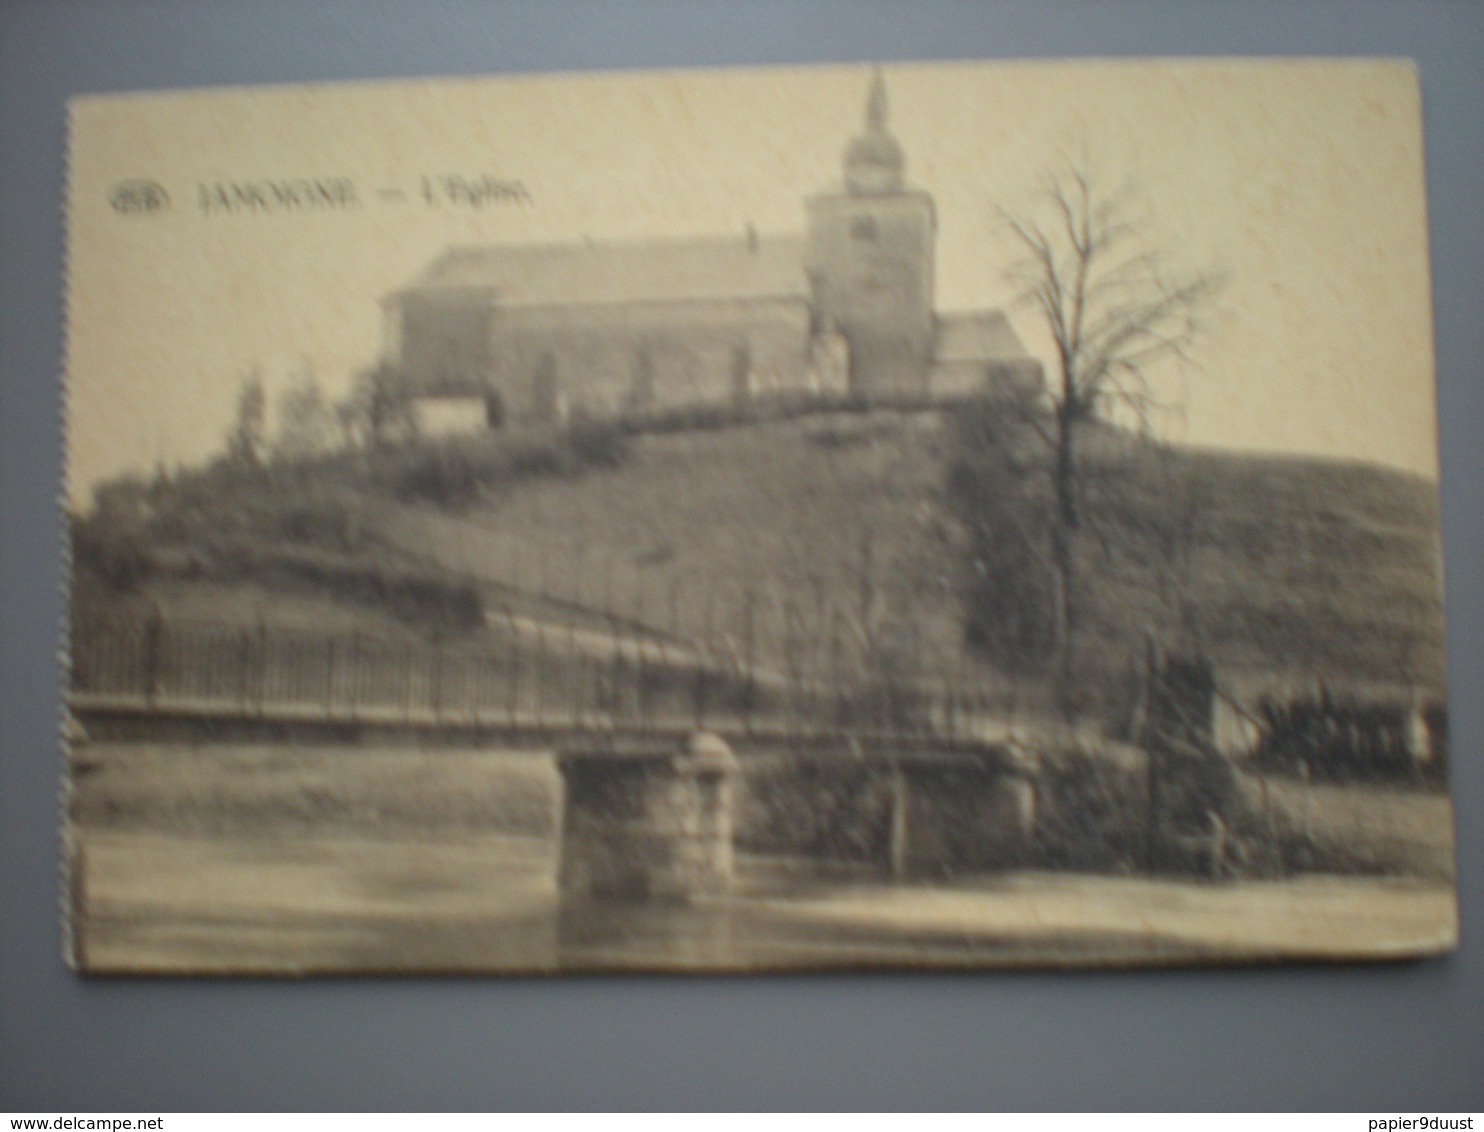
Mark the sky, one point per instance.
(1299, 181)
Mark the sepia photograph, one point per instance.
(925, 516)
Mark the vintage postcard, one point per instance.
(920, 516)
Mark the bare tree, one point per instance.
(305, 420)
(1116, 312)
(380, 405)
(247, 442)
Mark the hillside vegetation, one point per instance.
(838, 529)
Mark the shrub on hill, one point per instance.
(453, 473)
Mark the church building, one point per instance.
(531, 333)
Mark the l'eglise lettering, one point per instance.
(297, 194)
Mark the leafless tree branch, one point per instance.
(1116, 310)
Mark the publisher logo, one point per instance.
(138, 198)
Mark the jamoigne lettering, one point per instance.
(297, 194)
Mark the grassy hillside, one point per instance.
(801, 536)
(817, 540)
(1275, 565)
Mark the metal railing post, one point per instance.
(329, 677)
(641, 689)
(404, 693)
(244, 671)
(355, 673)
(540, 680)
(704, 660)
(515, 650)
(262, 667)
(154, 631)
(749, 659)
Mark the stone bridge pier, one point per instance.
(652, 826)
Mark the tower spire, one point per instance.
(876, 104)
(874, 162)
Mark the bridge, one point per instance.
(651, 736)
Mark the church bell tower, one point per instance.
(871, 262)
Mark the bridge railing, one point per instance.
(546, 675)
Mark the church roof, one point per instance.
(661, 270)
(977, 336)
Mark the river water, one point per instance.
(181, 903)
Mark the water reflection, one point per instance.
(615, 935)
(196, 904)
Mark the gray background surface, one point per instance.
(1387, 1037)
